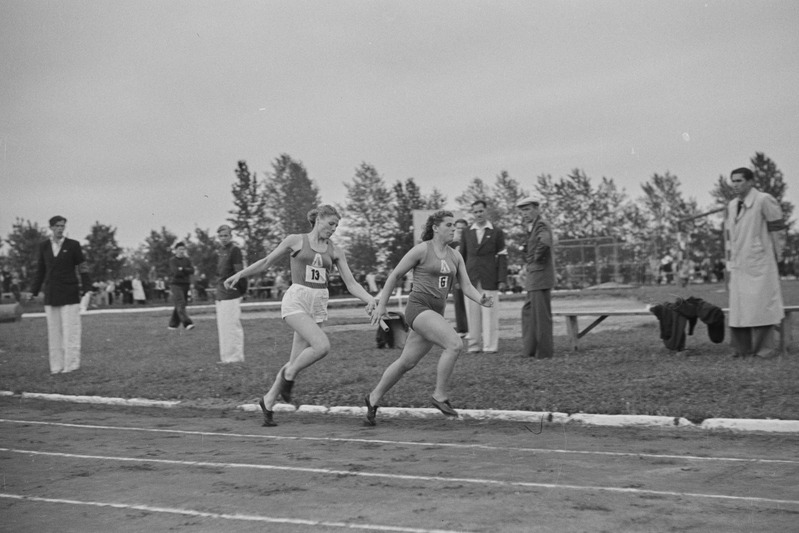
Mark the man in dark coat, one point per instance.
(539, 281)
(62, 275)
(483, 250)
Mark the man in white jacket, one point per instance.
(754, 238)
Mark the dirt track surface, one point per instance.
(69, 467)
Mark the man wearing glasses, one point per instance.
(62, 275)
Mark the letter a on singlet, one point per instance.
(445, 267)
(317, 261)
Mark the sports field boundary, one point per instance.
(530, 417)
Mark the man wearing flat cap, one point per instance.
(62, 274)
(540, 278)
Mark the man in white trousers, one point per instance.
(483, 250)
(62, 274)
(228, 301)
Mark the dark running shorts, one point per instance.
(419, 302)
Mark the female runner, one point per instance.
(304, 305)
(435, 265)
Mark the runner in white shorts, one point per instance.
(304, 306)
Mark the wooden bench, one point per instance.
(574, 333)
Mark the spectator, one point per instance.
(60, 260)
(137, 290)
(483, 250)
(182, 270)
(228, 301)
(754, 240)
(160, 290)
(461, 321)
(540, 278)
(202, 288)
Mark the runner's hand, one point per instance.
(487, 301)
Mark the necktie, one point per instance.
(740, 206)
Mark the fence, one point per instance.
(586, 262)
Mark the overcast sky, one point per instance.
(134, 113)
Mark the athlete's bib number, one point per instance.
(442, 282)
(315, 275)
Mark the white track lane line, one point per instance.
(228, 516)
(408, 477)
(405, 443)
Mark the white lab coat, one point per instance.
(755, 296)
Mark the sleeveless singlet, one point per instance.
(434, 276)
(309, 267)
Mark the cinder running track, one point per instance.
(68, 467)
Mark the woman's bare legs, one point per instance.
(310, 344)
(430, 329)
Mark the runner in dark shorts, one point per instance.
(435, 268)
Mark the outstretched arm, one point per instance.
(353, 286)
(285, 246)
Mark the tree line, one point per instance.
(376, 227)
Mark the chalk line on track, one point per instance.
(410, 477)
(404, 443)
(228, 516)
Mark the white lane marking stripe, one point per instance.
(407, 443)
(227, 516)
(407, 477)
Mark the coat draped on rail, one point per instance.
(673, 318)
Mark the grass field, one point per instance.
(615, 372)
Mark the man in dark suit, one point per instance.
(60, 266)
(540, 278)
(461, 324)
(483, 250)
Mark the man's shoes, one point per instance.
(268, 421)
(190, 326)
(171, 328)
(371, 413)
(285, 386)
(490, 351)
(445, 407)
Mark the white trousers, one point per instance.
(63, 337)
(231, 333)
(483, 323)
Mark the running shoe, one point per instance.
(445, 407)
(371, 413)
(268, 421)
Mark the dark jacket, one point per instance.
(539, 257)
(57, 277)
(181, 270)
(486, 262)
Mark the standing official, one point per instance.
(461, 322)
(483, 250)
(754, 238)
(181, 269)
(540, 278)
(228, 301)
(60, 266)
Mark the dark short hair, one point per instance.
(179, 244)
(224, 227)
(56, 219)
(745, 172)
(462, 220)
(481, 202)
